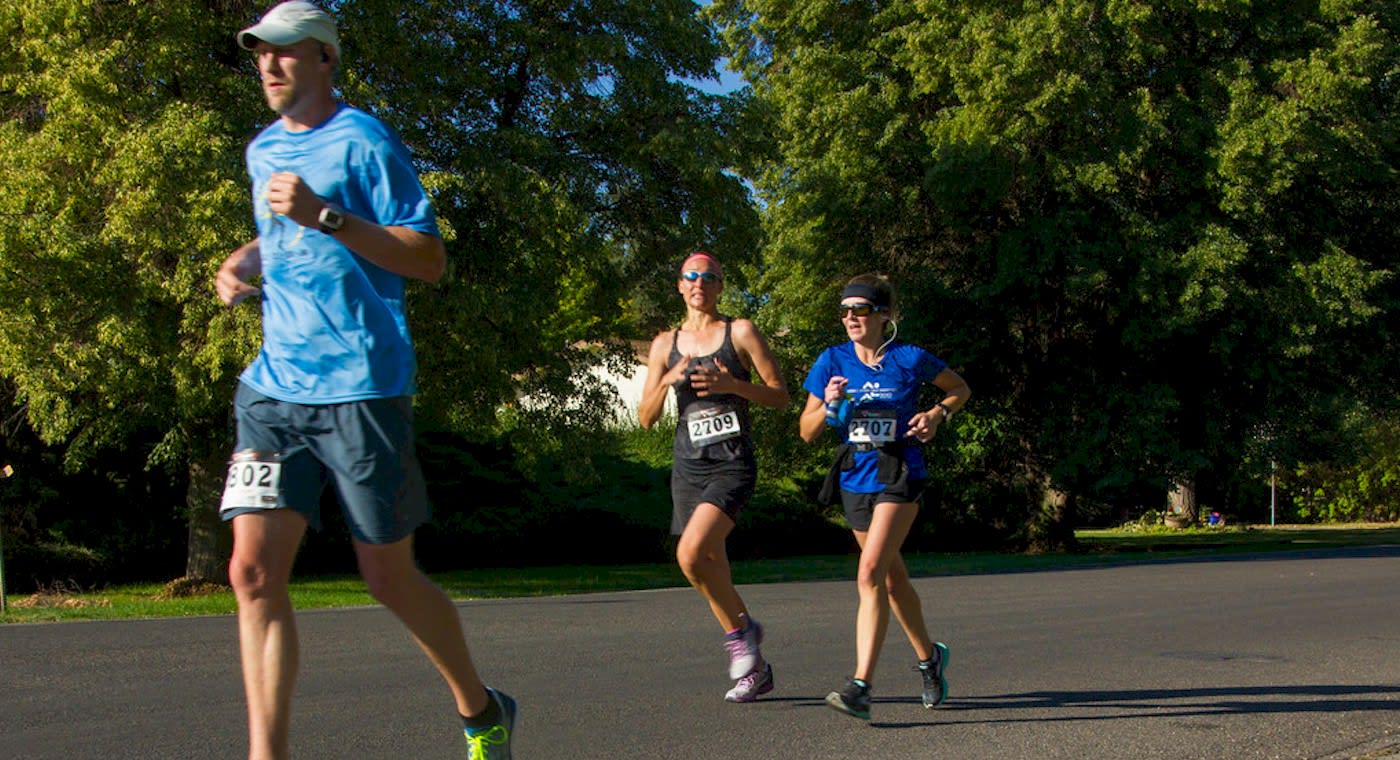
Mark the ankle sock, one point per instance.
(486, 719)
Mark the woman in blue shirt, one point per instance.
(868, 389)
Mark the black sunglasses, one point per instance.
(692, 276)
(859, 309)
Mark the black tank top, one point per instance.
(714, 426)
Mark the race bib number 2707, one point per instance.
(873, 427)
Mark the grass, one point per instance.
(1101, 547)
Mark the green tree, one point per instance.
(120, 149)
(567, 162)
(1153, 237)
(572, 170)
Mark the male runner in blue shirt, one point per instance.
(342, 219)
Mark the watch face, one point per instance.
(331, 218)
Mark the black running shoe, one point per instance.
(853, 699)
(935, 685)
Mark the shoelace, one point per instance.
(476, 743)
(736, 647)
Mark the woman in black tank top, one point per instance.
(711, 361)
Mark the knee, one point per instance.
(251, 580)
(695, 558)
(870, 578)
(690, 559)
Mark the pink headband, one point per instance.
(714, 262)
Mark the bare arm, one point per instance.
(658, 381)
(241, 266)
(955, 395)
(400, 250)
(813, 418)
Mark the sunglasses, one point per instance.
(859, 309)
(707, 277)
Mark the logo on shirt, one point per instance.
(870, 390)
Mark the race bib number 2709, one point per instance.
(713, 426)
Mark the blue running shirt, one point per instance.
(334, 328)
(893, 389)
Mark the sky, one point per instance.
(726, 81)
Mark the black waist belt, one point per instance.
(888, 470)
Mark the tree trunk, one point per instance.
(211, 541)
(1052, 520)
(1181, 503)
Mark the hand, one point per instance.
(289, 196)
(231, 281)
(676, 373)
(707, 381)
(923, 425)
(835, 389)
(231, 290)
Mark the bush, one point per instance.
(1364, 486)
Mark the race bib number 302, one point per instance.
(252, 484)
(875, 426)
(712, 426)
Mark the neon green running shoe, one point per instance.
(493, 743)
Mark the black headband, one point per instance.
(868, 292)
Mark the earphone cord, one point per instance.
(880, 352)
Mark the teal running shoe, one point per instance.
(935, 685)
(853, 699)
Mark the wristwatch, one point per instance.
(331, 218)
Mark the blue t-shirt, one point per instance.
(334, 328)
(877, 395)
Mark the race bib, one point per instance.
(712, 425)
(873, 426)
(251, 483)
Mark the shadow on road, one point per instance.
(1175, 703)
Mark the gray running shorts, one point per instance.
(727, 484)
(364, 448)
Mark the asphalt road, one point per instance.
(1277, 656)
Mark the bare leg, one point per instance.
(702, 557)
(264, 547)
(879, 549)
(908, 608)
(396, 582)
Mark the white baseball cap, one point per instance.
(290, 23)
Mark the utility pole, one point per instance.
(1273, 492)
(5, 472)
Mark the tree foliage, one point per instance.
(1158, 239)
(567, 161)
